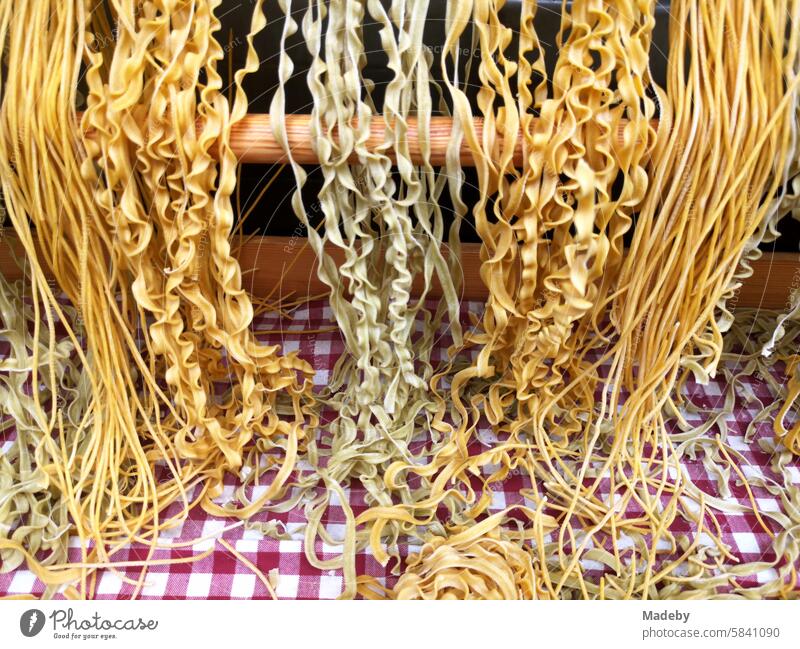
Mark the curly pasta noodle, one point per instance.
(132, 214)
(481, 562)
(33, 513)
(564, 299)
(390, 227)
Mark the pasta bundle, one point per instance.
(480, 562)
(26, 485)
(390, 227)
(174, 225)
(132, 214)
(564, 299)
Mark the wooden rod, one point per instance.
(281, 266)
(252, 140)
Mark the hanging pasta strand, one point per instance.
(40, 151)
(131, 213)
(565, 298)
(390, 227)
(177, 221)
(787, 201)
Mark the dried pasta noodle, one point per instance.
(390, 227)
(544, 218)
(733, 115)
(132, 215)
(33, 514)
(564, 298)
(39, 149)
(787, 201)
(186, 277)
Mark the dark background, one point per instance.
(273, 214)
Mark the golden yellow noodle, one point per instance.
(132, 214)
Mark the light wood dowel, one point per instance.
(252, 140)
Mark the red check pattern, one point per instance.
(221, 576)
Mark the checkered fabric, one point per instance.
(219, 575)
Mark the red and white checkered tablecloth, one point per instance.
(221, 576)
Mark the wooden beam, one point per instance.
(280, 266)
